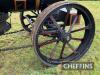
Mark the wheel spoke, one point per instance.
(34, 13)
(79, 29)
(53, 50)
(71, 47)
(47, 32)
(32, 16)
(55, 23)
(61, 54)
(48, 42)
(77, 39)
(25, 17)
(27, 24)
(72, 25)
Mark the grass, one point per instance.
(25, 62)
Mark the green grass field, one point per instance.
(25, 62)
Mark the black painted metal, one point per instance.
(9, 5)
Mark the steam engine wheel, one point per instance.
(60, 35)
(27, 18)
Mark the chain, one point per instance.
(13, 32)
(14, 48)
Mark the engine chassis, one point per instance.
(47, 23)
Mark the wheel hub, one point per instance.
(64, 36)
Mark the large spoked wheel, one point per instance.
(58, 37)
(27, 18)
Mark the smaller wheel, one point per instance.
(27, 18)
(57, 39)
